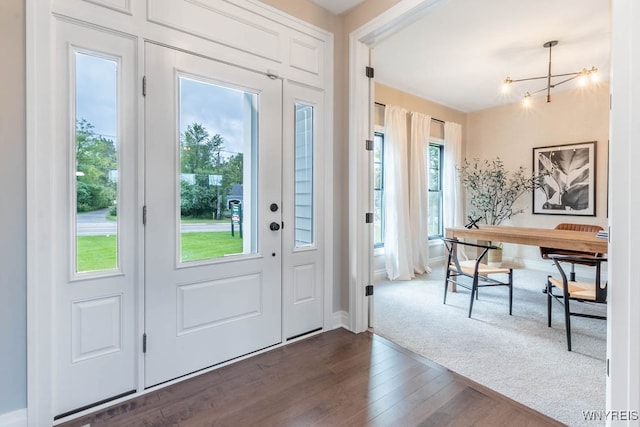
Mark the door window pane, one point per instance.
(218, 170)
(303, 197)
(96, 158)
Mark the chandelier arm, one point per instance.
(576, 74)
(537, 91)
(553, 85)
(553, 76)
(527, 79)
(565, 80)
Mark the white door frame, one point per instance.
(623, 339)
(360, 129)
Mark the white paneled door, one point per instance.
(94, 188)
(303, 267)
(213, 261)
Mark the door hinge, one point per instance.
(144, 343)
(369, 72)
(607, 366)
(368, 145)
(368, 290)
(144, 215)
(368, 218)
(144, 85)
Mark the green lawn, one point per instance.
(99, 252)
(205, 245)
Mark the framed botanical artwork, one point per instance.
(568, 174)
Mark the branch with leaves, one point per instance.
(492, 191)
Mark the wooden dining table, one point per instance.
(533, 236)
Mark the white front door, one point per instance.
(213, 149)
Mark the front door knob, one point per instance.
(274, 226)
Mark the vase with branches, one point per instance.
(493, 191)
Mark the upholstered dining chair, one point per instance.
(567, 291)
(591, 228)
(473, 269)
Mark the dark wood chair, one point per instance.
(565, 290)
(591, 228)
(473, 269)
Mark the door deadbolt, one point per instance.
(274, 207)
(274, 226)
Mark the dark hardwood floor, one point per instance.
(332, 379)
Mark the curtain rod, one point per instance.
(432, 118)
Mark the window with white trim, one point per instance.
(434, 190)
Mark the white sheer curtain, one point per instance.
(453, 204)
(418, 194)
(397, 229)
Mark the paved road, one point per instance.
(95, 223)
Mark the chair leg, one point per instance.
(548, 302)
(446, 285)
(510, 291)
(474, 292)
(567, 320)
(572, 273)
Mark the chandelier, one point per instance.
(583, 76)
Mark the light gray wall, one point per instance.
(13, 209)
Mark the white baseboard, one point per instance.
(437, 261)
(380, 275)
(341, 319)
(14, 419)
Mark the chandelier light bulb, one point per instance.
(583, 78)
(506, 85)
(527, 100)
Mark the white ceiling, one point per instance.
(338, 6)
(461, 51)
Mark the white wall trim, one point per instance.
(379, 275)
(360, 235)
(623, 337)
(361, 128)
(39, 222)
(329, 185)
(340, 320)
(14, 419)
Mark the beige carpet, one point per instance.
(518, 356)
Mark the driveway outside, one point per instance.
(95, 223)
